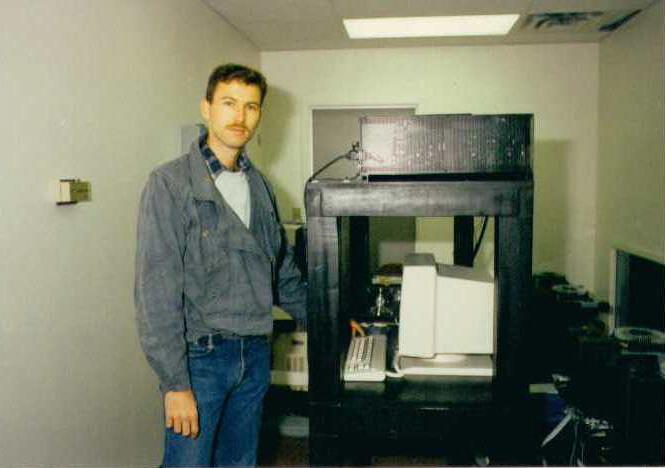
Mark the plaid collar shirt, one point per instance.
(214, 166)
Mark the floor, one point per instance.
(290, 451)
(285, 451)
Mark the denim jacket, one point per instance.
(200, 271)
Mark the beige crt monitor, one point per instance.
(446, 319)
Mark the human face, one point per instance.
(232, 118)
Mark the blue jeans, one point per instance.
(229, 379)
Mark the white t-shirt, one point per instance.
(235, 189)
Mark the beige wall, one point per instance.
(558, 83)
(631, 163)
(96, 90)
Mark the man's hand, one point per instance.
(181, 414)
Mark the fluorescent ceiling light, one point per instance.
(430, 26)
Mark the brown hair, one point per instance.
(231, 72)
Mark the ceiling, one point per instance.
(317, 24)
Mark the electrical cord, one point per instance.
(559, 427)
(480, 239)
(397, 373)
(354, 154)
(576, 440)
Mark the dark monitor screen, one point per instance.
(639, 292)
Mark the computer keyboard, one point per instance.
(366, 359)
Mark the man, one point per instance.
(211, 258)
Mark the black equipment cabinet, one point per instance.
(443, 410)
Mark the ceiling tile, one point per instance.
(243, 11)
(400, 8)
(560, 6)
(283, 35)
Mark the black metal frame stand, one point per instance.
(443, 409)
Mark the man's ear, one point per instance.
(204, 106)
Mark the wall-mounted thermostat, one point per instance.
(73, 191)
